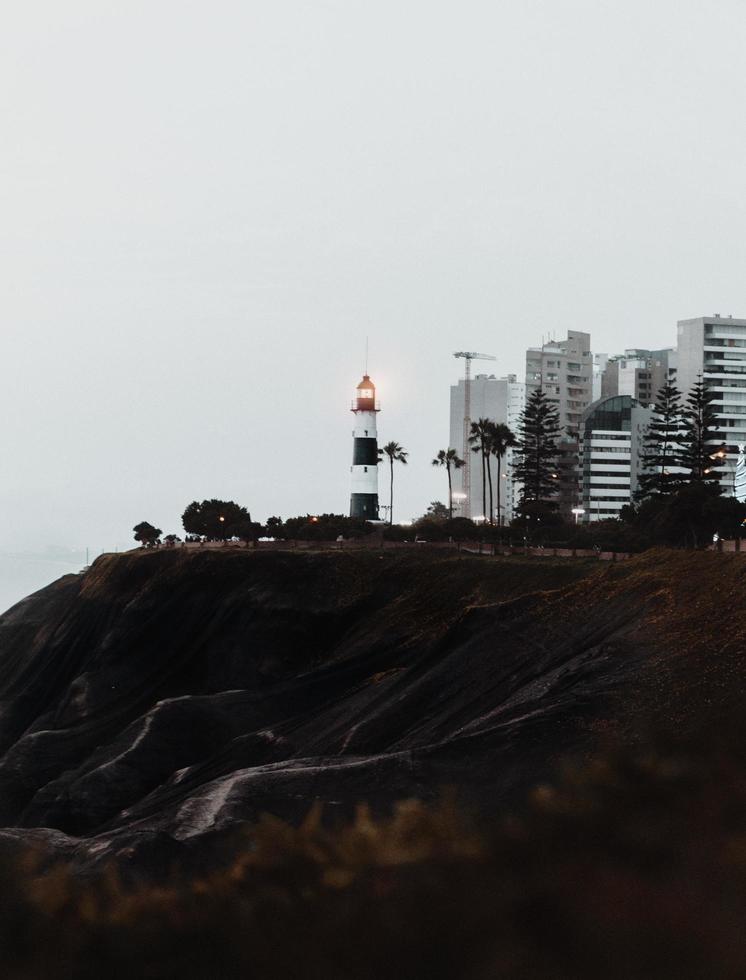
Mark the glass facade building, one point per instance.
(611, 440)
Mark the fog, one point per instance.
(205, 209)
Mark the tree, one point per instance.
(273, 528)
(434, 525)
(451, 460)
(727, 514)
(396, 454)
(322, 527)
(685, 518)
(534, 464)
(438, 511)
(217, 519)
(479, 439)
(147, 534)
(501, 439)
(698, 456)
(662, 445)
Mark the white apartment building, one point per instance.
(498, 399)
(599, 366)
(611, 439)
(563, 369)
(638, 373)
(714, 348)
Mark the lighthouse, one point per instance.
(364, 469)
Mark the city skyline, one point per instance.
(420, 468)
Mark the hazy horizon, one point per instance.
(205, 213)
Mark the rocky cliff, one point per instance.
(162, 698)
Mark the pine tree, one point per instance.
(698, 456)
(534, 459)
(661, 447)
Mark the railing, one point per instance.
(374, 542)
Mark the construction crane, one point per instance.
(468, 357)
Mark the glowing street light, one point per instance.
(578, 511)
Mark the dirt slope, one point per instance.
(163, 697)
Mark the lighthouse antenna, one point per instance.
(366, 356)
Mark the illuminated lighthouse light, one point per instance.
(364, 469)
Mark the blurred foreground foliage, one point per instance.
(631, 865)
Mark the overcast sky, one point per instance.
(204, 209)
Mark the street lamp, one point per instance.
(578, 511)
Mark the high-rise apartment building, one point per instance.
(563, 369)
(611, 441)
(500, 400)
(714, 349)
(599, 367)
(638, 373)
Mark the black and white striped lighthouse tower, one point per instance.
(364, 495)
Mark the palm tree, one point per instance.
(450, 459)
(478, 439)
(396, 454)
(501, 439)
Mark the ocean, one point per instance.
(22, 574)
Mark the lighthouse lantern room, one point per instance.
(364, 469)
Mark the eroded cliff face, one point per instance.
(163, 697)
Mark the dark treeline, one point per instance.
(679, 501)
